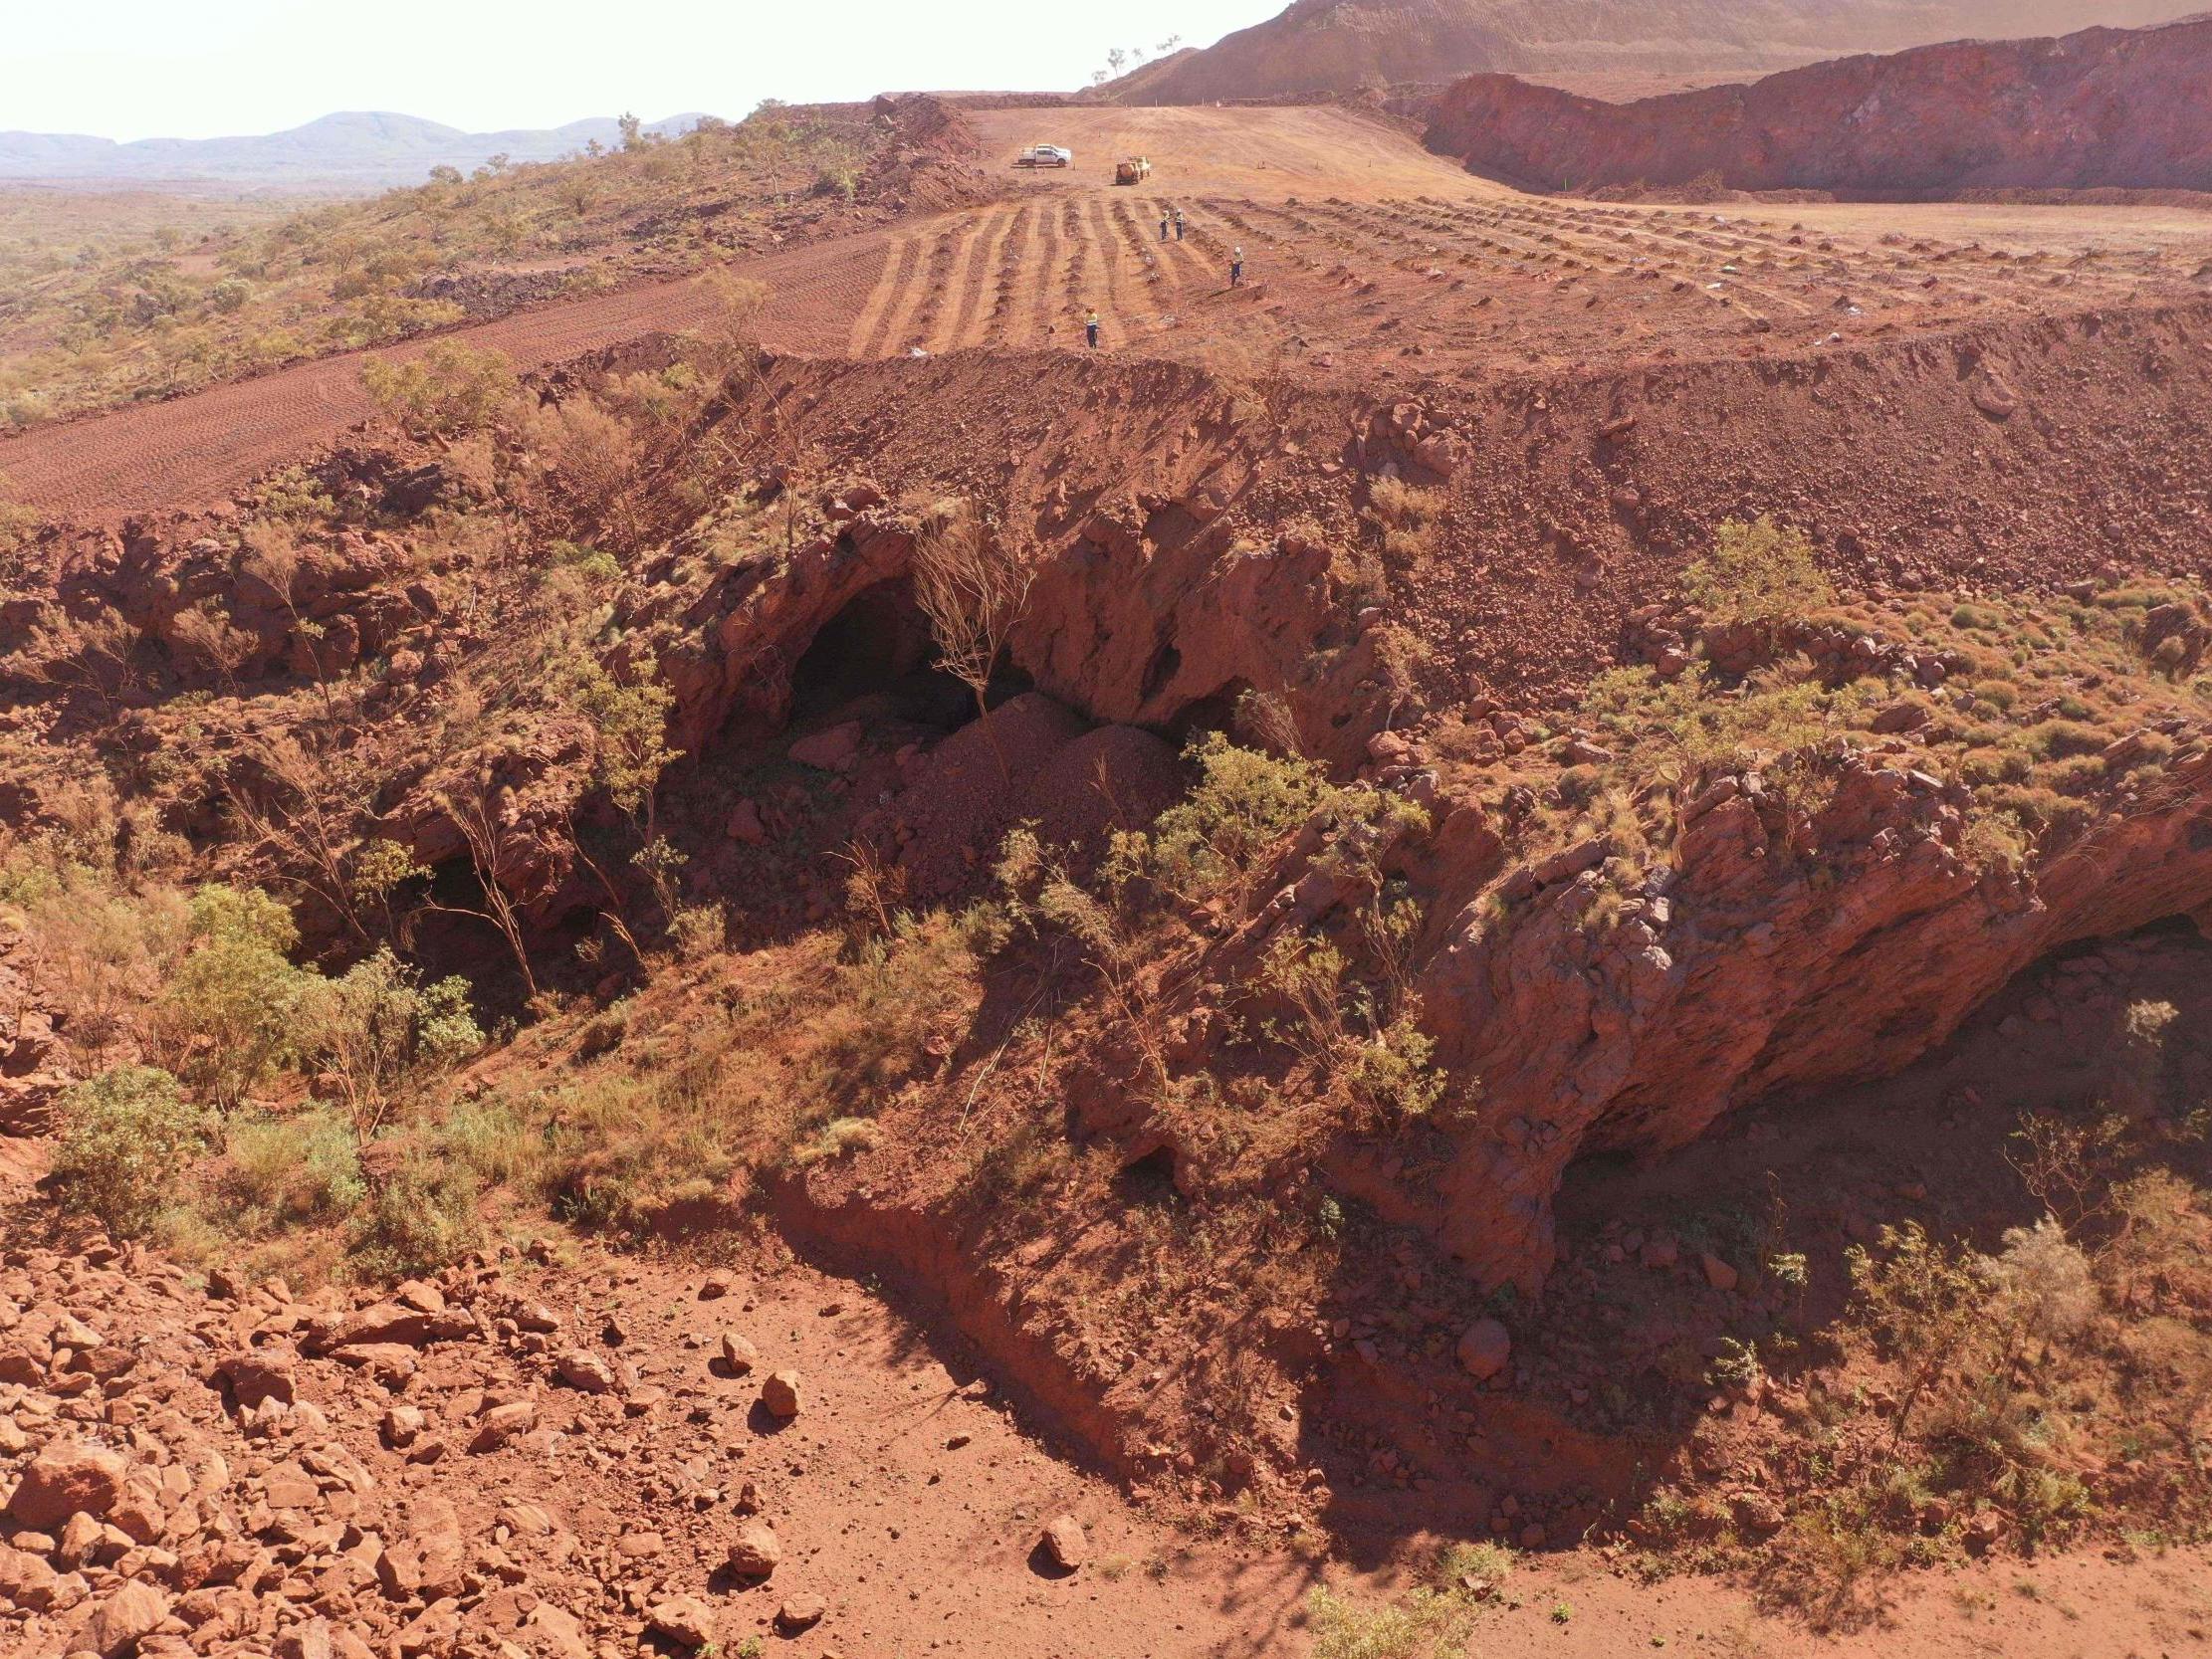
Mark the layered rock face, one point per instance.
(1744, 964)
(2104, 108)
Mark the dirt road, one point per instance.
(1365, 259)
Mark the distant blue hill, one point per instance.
(359, 149)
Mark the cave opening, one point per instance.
(878, 648)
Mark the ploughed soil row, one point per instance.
(1367, 262)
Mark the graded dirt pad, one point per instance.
(192, 450)
(1369, 263)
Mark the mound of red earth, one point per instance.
(1340, 46)
(2104, 108)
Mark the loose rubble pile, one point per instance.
(242, 1470)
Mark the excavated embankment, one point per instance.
(2101, 108)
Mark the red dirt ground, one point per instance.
(1367, 261)
(917, 1545)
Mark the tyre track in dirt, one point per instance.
(865, 337)
(981, 241)
(1013, 259)
(1364, 252)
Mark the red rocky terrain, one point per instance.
(1484, 974)
(2103, 108)
(556, 1458)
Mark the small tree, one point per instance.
(732, 339)
(974, 586)
(98, 653)
(227, 1014)
(1921, 1301)
(125, 1135)
(1757, 572)
(378, 1028)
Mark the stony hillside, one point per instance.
(2105, 108)
(1339, 46)
(1508, 877)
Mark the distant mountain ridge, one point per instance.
(1343, 46)
(353, 148)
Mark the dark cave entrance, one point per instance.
(878, 649)
(878, 646)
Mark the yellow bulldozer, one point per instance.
(1133, 169)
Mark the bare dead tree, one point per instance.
(97, 654)
(742, 360)
(209, 635)
(874, 891)
(476, 813)
(973, 584)
(272, 554)
(308, 834)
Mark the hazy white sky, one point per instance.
(195, 69)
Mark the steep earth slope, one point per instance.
(2127, 109)
(1340, 46)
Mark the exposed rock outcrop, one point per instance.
(2104, 108)
(1319, 47)
(1775, 949)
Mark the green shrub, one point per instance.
(1427, 1624)
(420, 1218)
(1245, 803)
(2057, 740)
(378, 1028)
(495, 1142)
(1755, 571)
(837, 1139)
(17, 521)
(1698, 717)
(230, 1010)
(450, 389)
(127, 1133)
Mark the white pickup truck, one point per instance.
(1045, 155)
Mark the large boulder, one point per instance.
(755, 1551)
(63, 1480)
(1486, 1349)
